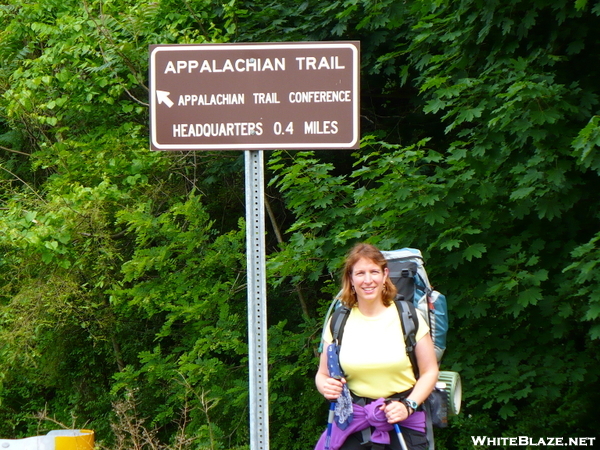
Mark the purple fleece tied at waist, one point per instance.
(370, 416)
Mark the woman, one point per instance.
(374, 359)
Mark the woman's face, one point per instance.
(368, 280)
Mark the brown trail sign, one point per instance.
(302, 95)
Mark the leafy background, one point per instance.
(122, 271)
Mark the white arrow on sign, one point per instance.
(163, 97)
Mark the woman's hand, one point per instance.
(332, 388)
(395, 411)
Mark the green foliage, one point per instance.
(122, 271)
(500, 199)
(189, 282)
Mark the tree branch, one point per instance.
(280, 241)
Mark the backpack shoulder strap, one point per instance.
(410, 326)
(338, 321)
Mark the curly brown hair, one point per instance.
(367, 251)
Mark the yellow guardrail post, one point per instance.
(73, 439)
(54, 440)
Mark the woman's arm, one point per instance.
(428, 369)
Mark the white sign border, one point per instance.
(264, 46)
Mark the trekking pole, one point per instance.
(400, 437)
(330, 425)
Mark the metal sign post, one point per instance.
(257, 300)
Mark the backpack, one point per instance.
(407, 272)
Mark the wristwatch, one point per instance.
(410, 404)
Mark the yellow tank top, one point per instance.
(373, 355)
